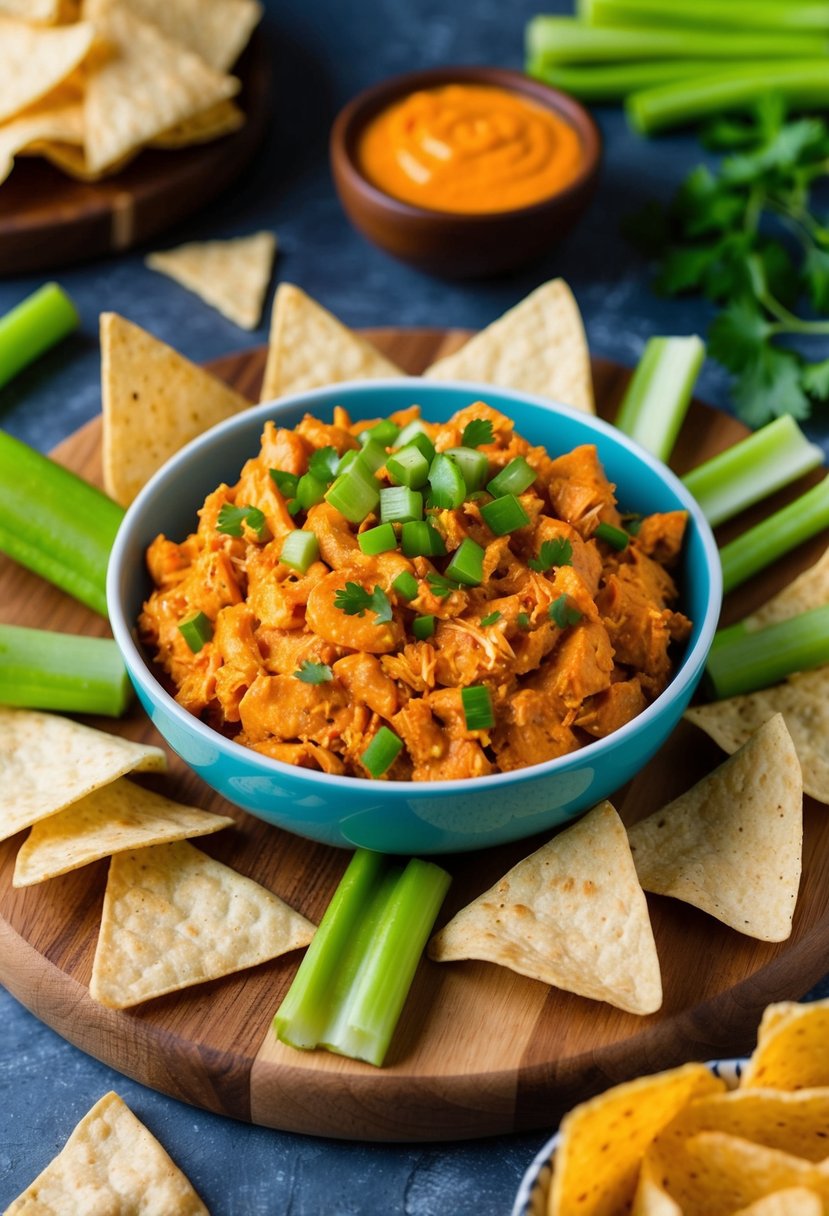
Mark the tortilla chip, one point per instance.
(46, 120)
(809, 590)
(72, 160)
(217, 120)
(310, 348)
(154, 401)
(802, 699)
(147, 85)
(174, 917)
(218, 31)
(792, 1050)
(48, 762)
(36, 60)
(539, 347)
(39, 12)
(118, 816)
(732, 845)
(572, 915)
(794, 1201)
(231, 275)
(602, 1141)
(110, 1163)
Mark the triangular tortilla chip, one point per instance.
(118, 816)
(174, 917)
(793, 1201)
(47, 120)
(36, 60)
(216, 120)
(40, 12)
(310, 348)
(218, 30)
(147, 85)
(231, 275)
(539, 347)
(48, 762)
(154, 401)
(809, 590)
(571, 914)
(732, 845)
(110, 1163)
(792, 1051)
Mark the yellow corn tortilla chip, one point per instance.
(219, 119)
(46, 120)
(232, 275)
(602, 1141)
(539, 347)
(147, 85)
(310, 348)
(72, 160)
(572, 914)
(732, 845)
(809, 590)
(792, 1051)
(38, 12)
(48, 762)
(218, 30)
(110, 1164)
(35, 61)
(174, 917)
(118, 816)
(794, 1201)
(154, 401)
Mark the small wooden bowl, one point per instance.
(447, 243)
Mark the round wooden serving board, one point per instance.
(48, 219)
(479, 1050)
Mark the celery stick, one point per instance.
(744, 661)
(787, 528)
(566, 40)
(752, 469)
(55, 523)
(786, 15)
(37, 323)
(350, 987)
(613, 81)
(75, 675)
(658, 396)
(801, 83)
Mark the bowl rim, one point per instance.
(140, 669)
(370, 101)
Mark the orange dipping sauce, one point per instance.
(469, 149)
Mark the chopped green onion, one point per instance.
(286, 483)
(486, 621)
(743, 661)
(232, 520)
(33, 326)
(352, 984)
(382, 752)
(406, 585)
(408, 467)
(615, 537)
(384, 432)
(514, 478)
(324, 464)
(474, 466)
(466, 564)
(373, 455)
(355, 493)
(420, 539)
(448, 488)
(55, 523)
(197, 630)
(477, 707)
(750, 470)
(776, 535)
(423, 627)
(71, 674)
(563, 613)
(381, 539)
(657, 398)
(504, 515)
(399, 504)
(523, 621)
(300, 549)
(310, 490)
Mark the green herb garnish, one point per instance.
(486, 621)
(231, 521)
(322, 464)
(477, 433)
(442, 586)
(313, 673)
(354, 600)
(558, 552)
(563, 613)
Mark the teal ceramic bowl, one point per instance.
(408, 817)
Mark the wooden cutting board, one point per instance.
(48, 219)
(479, 1050)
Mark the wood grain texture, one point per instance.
(479, 1050)
(49, 220)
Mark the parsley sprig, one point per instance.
(354, 600)
(231, 520)
(745, 235)
(558, 552)
(563, 613)
(477, 433)
(313, 673)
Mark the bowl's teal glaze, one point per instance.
(403, 817)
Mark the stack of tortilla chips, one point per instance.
(88, 85)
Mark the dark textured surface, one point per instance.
(323, 52)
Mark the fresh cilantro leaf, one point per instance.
(313, 673)
(231, 519)
(563, 613)
(780, 272)
(491, 619)
(781, 151)
(770, 385)
(323, 464)
(738, 334)
(815, 379)
(558, 552)
(477, 433)
(286, 483)
(704, 206)
(727, 276)
(684, 268)
(816, 277)
(441, 585)
(354, 600)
